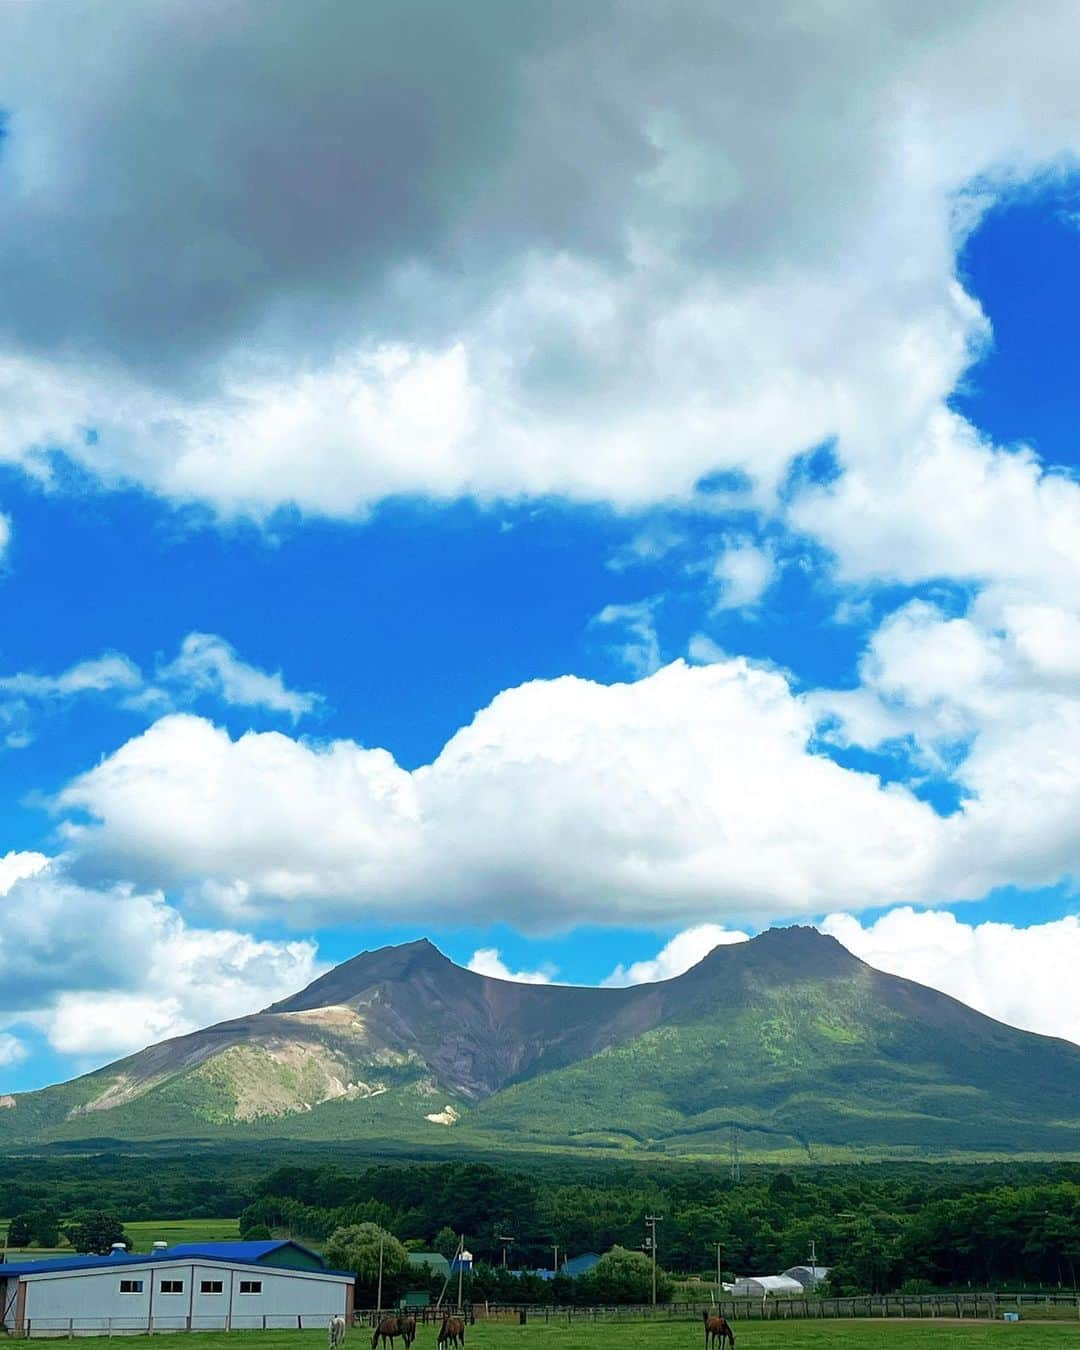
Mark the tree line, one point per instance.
(880, 1227)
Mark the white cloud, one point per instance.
(1023, 976)
(640, 649)
(12, 1050)
(744, 573)
(110, 671)
(5, 534)
(14, 866)
(684, 950)
(487, 961)
(689, 794)
(105, 971)
(652, 270)
(208, 664)
(991, 700)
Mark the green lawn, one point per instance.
(143, 1233)
(581, 1335)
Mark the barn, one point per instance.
(228, 1286)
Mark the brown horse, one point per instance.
(387, 1329)
(717, 1330)
(452, 1332)
(408, 1329)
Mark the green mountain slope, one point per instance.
(788, 1038)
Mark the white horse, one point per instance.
(337, 1332)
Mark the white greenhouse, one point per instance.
(767, 1286)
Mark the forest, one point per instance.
(880, 1227)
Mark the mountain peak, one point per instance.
(362, 972)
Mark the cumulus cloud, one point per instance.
(14, 866)
(621, 239)
(990, 699)
(104, 971)
(692, 792)
(5, 534)
(684, 950)
(1023, 976)
(488, 961)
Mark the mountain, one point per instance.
(788, 1038)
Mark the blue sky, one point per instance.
(778, 467)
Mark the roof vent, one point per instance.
(119, 1249)
(161, 1246)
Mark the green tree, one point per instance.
(258, 1232)
(21, 1230)
(623, 1276)
(46, 1226)
(356, 1248)
(446, 1243)
(96, 1231)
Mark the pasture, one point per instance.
(143, 1233)
(581, 1335)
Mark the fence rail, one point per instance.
(987, 1305)
(972, 1305)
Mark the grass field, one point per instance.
(857, 1335)
(143, 1233)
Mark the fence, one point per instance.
(968, 1305)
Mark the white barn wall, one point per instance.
(91, 1299)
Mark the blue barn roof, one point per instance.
(244, 1253)
(578, 1265)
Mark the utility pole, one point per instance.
(719, 1281)
(378, 1300)
(651, 1220)
(555, 1267)
(506, 1242)
(813, 1262)
(460, 1272)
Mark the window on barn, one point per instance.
(211, 1287)
(172, 1286)
(131, 1286)
(251, 1286)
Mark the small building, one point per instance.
(579, 1265)
(808, 1276)
(166, 1290)
(435, 1261)
(767, 1286)
(464, 1263)
(283, 1253)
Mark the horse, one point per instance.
(717, 1330)
(452, 1332)
(387, 1329)
(408, 1329)
(337, 1332)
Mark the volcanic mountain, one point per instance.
(787, 1038)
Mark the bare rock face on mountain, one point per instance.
(787, 1038)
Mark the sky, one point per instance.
(582, 484)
